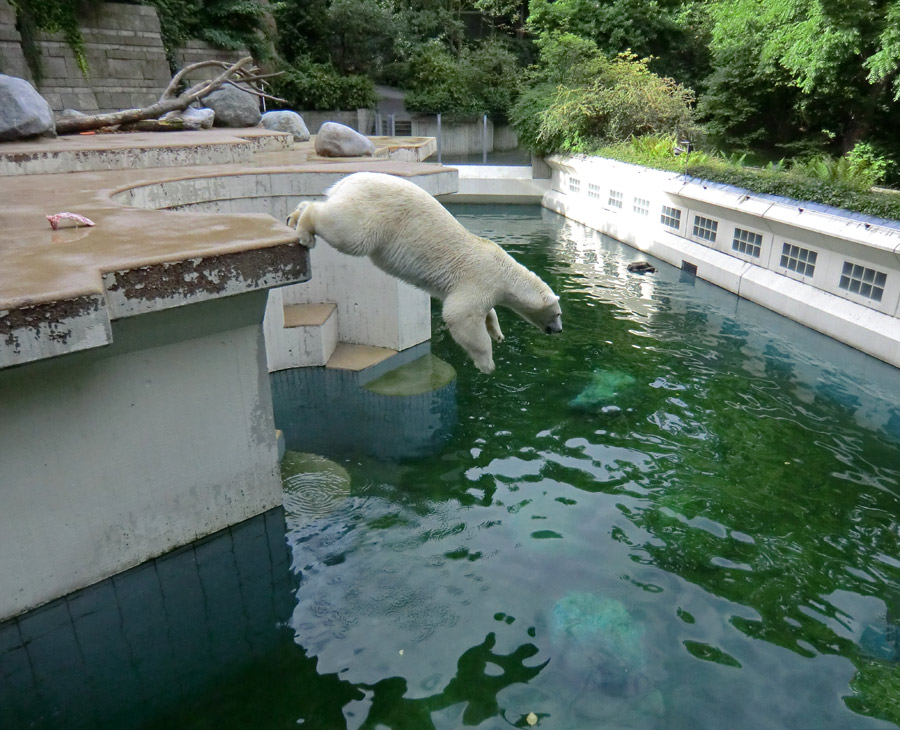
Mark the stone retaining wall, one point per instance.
(12, 60)
(127, 65)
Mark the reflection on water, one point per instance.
(719, 549)
(138, 644)
(396, 416)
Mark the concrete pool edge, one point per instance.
(624, 202)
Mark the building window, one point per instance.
(593, 191)
(670, 217)
(801, 260)
(615, 199)
(641, 206)
(705, 228)
(574, 185)
(747, 242)
(860, 280)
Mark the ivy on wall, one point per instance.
(228, 24)
(50, 16)
(231, 24)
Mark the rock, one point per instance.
(313, 487)
(233, 107)
(286, 121)
(71, 113)
(23, 112)
(194, 118)
(641, 267)
(599, 641)
(338, 140)
(605, 387)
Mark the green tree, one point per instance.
(232, 24)
(309, 86)
(808, 70)
(362, 35)
(580, 100)
(670, 32)
(482, 79)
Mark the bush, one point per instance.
(807, 182)
(582, 100)
(231, 24)
(308, 86)
(483, 79)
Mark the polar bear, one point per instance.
(410, 235)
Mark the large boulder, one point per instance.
(233, 107)
(23, 112)
(338, 140)
(286, 121)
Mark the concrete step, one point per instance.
(361, 359)
(307, 335)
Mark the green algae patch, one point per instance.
(424, 375)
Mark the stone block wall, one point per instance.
(195, 51)
(127, 65)
(12, 60)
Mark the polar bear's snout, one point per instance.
(554, 327)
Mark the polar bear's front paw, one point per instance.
(306, 237)
(294, 217)
(485, 366)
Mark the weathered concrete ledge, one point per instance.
(92, 152)
(59, 290)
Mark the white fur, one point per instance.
(410, 235)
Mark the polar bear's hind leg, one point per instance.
(301, 220)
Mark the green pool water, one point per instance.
(680, 513)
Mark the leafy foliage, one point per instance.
(585, 100)
(309, 86)
(231, 24)
(663, 31)
(483, 79)
(812, 70)
(843, 183)
(362, 35)
(51, 16)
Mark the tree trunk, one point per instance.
(232, 74)
(74, 125)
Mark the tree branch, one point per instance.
(234, 74)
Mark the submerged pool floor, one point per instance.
(682, 513)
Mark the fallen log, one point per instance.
(241, 74)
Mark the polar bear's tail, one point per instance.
(302, 224)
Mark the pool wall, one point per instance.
(115, 455)
(835, 272)
(136, 644)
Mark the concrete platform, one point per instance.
(59, 290)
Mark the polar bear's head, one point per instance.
(547, 317)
